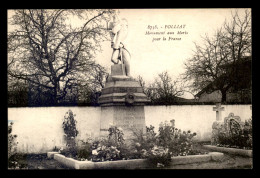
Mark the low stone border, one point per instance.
(51, 154)
(215, 156)
(242, 152)
(131, 164)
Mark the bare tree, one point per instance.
(164, 90)
(51, 54)
(90, 91)
(99, 75)
(167, 88)
(230, 44)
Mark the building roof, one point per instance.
(243, 65)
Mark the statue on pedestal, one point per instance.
(122, 99)
(118, 31)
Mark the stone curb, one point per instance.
(236, 151)
(51, 154)
(189, 159)
(197, 158)
(216, 156)
(120, 164)
(132, 164)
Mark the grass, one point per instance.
(33, 161)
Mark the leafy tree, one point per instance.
(51, 54)
(207, 68)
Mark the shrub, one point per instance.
(141, 143)
(247, 132)
(179, 143)
(237, 135)
(84, 151)
(14, 158)
(105, 153)
(18, 161)
(145, 140)
(166, 134)
(159, 156)
(115, 137)
(111, 148)
(159, 148)
(70, 130)
(12, 143)
(55, 149)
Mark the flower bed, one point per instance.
(131, 164)
(233, 133)
(232, 136)
(157, 150)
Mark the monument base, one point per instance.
(129, 118)
(122, 103)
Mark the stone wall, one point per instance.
(40, 129)
(197, 118)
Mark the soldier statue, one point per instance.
(118, 31)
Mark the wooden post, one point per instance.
(218, 110)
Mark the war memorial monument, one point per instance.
(122, 100)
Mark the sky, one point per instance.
(150, 54)
(149, 57)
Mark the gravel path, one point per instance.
(228, 162)
(40, 161)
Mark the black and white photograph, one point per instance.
(129, 89)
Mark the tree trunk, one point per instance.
(224, 96)
(55, 96)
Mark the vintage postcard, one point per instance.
(130, 88)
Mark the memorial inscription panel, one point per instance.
(130, 118)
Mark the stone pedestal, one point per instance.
(122, 103)
(129, 118)
(117, 69)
